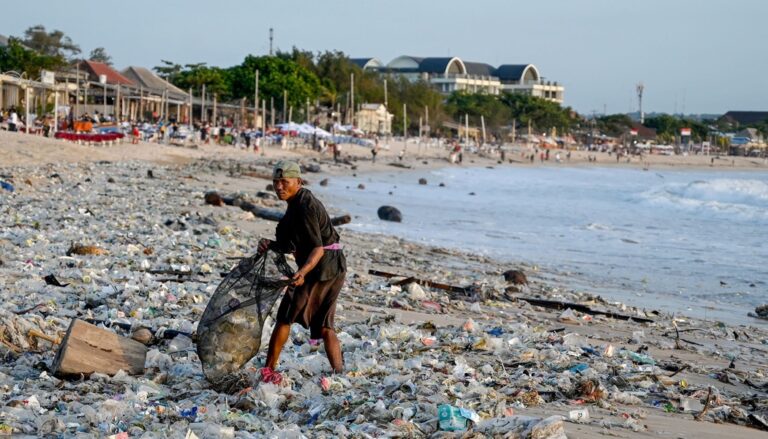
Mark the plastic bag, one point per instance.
(229, 332)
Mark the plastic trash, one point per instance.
(579, 368)
(452, 418)
(7, 186)
(641, 358)
(579, 416)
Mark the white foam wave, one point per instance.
(747, 198)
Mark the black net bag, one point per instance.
(229, 333)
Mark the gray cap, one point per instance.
(286, 169)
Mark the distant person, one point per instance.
(13, 120)
(136, 135)
(374, 151)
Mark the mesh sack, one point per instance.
(229, 332)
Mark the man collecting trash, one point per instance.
(305, 231)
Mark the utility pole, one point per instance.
(640, 88)
(271, 36)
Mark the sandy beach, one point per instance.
(644, 370)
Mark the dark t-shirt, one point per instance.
(305, 226)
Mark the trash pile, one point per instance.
(140, 254)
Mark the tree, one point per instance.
(276, 74)
(475, 105)
(668, 127)
(53, 43)
(541, 113)
(614, 125)
(20, 59)
(169, 70)
(100, 54)
(416, 95)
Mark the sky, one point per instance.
(704, 56)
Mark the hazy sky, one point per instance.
(705, 56)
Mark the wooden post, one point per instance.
(466, 130)
(191, 110)
(405, 130)
(272, 110)
(118, 107)
(87, 349)
(215, 96)
(285, 105)
(256, 103)
(77, 94)
(352, 98)
(263, 122)
(203, 113)
(386, 102)
(26, 109)
(55, 107)
(482, 121)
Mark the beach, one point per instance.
(487, 350)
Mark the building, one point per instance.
(152, 92)
(739, 118)
(451, 74)
(374, 118)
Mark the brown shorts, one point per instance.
(312, 305)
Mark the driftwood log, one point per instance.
(556, 304)
(87, 349)
(263, 212)
(550, 304)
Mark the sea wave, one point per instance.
(746, 198)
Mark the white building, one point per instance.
(450, 74)
(374, 118)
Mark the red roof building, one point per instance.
(96, 69)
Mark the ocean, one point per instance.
(690, 242)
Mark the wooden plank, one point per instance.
(87, 349)
(426, 283)
(558, 305)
